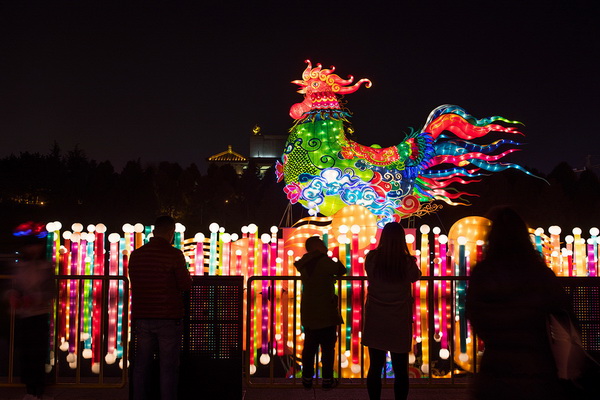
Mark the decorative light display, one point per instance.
(274, 318)
(324, 170)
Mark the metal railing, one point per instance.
(272, 301)
(70, 361)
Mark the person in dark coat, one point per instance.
(319, 312)
(158, 276)
(387, 321)
(510, 294)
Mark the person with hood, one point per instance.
(319, 311)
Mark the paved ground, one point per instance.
(341, 393)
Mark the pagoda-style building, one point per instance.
(236, 160)
(264, 151)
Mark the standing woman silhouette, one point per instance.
(387, 322)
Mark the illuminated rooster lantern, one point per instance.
(324, 170)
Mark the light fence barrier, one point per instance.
(91, 349)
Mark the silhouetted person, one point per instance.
(387, 322)
(31, 297)
(510, 294)
(158, 276)
(319, 310)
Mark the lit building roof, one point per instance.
(228, 156)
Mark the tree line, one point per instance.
(70, 187)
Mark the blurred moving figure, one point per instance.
(31, 294)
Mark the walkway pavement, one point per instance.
(341, 393)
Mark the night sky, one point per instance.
(180, 83)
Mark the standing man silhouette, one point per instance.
(158, 276)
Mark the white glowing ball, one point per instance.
(554, 230)
(436, 230)
(594, 231)
(425, 368)
(179, 227)
(290, 253)
(96, 368)
(57, 226)
(71, 357)
(50, 227)
(76, 237)
(464, 357)
(343, 239)
(114, 238)
(265, 238)
(443, 239)
(264, 359)
(127, 228)
(64, 346)
(343, 229)
(73, 365)
(101, 228)
(86, 353)
(290, 344)
(110, 358)
(355, 368)
(121, 363)
(312, 212)
(221, 230)
(462, 240)
(199, 237)
(274, 229)
(344, 364)
(234, 237)
(244, 229)
(576, 231)
(279, 260)
(226, 238)
(66, 235)
(138, 228)
(91, 237)
(48, 368)
(214, 227)
(77, 227)
(373, 240)
(539, 232)
(424, 229)
(591, 241)
(335, 259)
(410, 238)
(355, 229)
(444, 354)
(347, 353)
(343, 357)
(278, 336)
(238, 252)
(252, 228)
(411, 358)
(252, 369)
(569, 239)
(298, 332)
(84, 336)
(480, 243)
